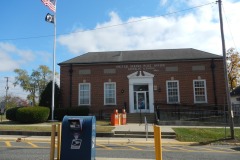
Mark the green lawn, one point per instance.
(102, 126)
(2, 117)
(201, 135)
(204, 135)
(45, 128)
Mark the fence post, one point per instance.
(52, 149)
(59, 135)
(158, 142)
(146, 127)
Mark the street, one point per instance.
(12, 150)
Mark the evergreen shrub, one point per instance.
(32, 114)
(11, 113)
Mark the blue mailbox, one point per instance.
(78, 138)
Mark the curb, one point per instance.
(31, 133)
(107, 140)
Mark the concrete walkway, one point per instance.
(132, 127)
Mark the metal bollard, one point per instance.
(59, 135)
(158, 142)
(52, 149)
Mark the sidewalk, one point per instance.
(135, 127)
(132, 127)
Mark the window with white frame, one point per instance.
(200, 92)
(84, 93)
(109, 93)
(172, 91)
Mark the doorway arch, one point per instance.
(141, 95)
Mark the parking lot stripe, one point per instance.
(181, 148)
(135, 148)
(208, 149)
(33, 145)
(104, 146)
(8, 144)
(224, 149)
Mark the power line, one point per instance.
(116, 25)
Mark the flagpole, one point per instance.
(54, 53)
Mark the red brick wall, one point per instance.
(185, 75)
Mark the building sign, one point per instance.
(136, 67)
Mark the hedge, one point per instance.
(35, 114)
(76, 111)
(11, 113)
(32, 114)
(40, 114)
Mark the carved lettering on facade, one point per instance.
(136, 67)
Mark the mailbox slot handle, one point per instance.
(75, 124)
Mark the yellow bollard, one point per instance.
(52, 149)
(158, 142)
(59, 141)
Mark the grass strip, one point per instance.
(101, 126)
(204, 134)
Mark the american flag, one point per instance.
(50, 4)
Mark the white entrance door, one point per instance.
(141, 101)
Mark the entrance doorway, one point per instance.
(141, 98)
(141, 90)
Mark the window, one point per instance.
(109, 93)
(200, 92)
(172, 91)
(84, 94)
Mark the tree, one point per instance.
(46, 75)
(14, 101)
(46, 96)
(233, 66)
(34, 83)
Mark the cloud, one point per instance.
(12, 89)
(12, 57)
(163, 2)
(198, 29)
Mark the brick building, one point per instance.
(138, 79)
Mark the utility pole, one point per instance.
(230, 112)
(7, 88)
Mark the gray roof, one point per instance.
(140, 56)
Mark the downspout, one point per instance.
(214, 81)
(70, 86)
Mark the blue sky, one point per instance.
(26, 40)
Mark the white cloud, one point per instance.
(13, 90)
(163, 2)
(7, 63)
(12, 57)
(198, 29)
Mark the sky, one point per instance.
(26, 39)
